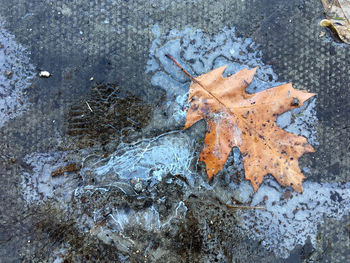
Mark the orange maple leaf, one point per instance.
(247, 121)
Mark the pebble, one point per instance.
(8, 74)
(44, 74)
(138, 187)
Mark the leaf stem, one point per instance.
(196, 81)
(177, 64)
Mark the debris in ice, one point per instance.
(15, 76)
(39, 184)
(152, 160)
(123, 221)
(288, 221)
(148, 219)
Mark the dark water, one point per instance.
(94, 165)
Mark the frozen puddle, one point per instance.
(151, 159)
(40, 185)
(286, 222)
(15, 75)
(148, 160)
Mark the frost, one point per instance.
(15, 75)
(148, 219)
(151, 159)
(287, 223)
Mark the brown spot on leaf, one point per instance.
(295, 102)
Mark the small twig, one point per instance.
(88, 106)
(245, 207)
(177, 64)
(131, 120)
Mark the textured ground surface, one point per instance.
(84, 213)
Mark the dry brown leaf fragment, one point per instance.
(247, 121)
(338, 18)
(71, 167)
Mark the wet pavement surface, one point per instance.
(94, 164)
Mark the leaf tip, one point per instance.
(252, 71)
(309, 149)
(255, 187)
(187, 125)
(299, 188)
